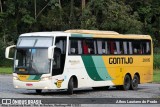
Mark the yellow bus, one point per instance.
(81, 58)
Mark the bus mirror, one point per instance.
(50, 52)
(8, 51)
(16, 62)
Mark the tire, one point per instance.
(134, 82)
(70, 86)
(126, 83)
(39, 91)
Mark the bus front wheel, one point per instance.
(70, 86)
(134, 83)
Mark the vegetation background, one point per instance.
(123, 16)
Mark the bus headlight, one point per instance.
(46, 78)
(15, 78)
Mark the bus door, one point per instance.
(59, 55)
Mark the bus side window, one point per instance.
(95, 47)
(89, 47)
(79, 46)
(99, 46)
(121, 49)
(129, 44)
(102, 47)
(118, 49)
(137, 47)
(85, 47)
(148, 48)
(135, 51)
(125, 49)
(73, 47)
(113, 47)
(105, 49)
(145, 47)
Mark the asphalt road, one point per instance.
(149, 90)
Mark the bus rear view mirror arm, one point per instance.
(8, 51)
(50, 52)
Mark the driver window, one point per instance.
(56, 61)
(61, 44)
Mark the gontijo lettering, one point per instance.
(121, 60)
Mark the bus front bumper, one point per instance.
(47, 84)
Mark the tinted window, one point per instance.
(110, 47)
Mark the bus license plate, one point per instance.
(21, 69)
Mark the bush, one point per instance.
(156, 61)
(3, 61)
(156, 50)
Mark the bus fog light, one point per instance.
(15, 78)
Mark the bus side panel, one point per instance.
(119, 66)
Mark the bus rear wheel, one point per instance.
(126, 83)
(70, 86)
(38, 91)
(134, 83)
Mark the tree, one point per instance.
(111, 15)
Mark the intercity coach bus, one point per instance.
(81, 58)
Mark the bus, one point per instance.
(80, 59)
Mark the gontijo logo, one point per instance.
(120, 60)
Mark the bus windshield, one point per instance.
(31, 61)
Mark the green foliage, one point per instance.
(156, 61)
(5, 70)
(156, 75)
(28, 19)
(111, 15)
(3, 61)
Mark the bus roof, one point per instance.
(105, 34)
(92, 32)
(54, 33)
(88, 33)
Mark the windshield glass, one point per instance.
(31, 61)
(34, 42)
